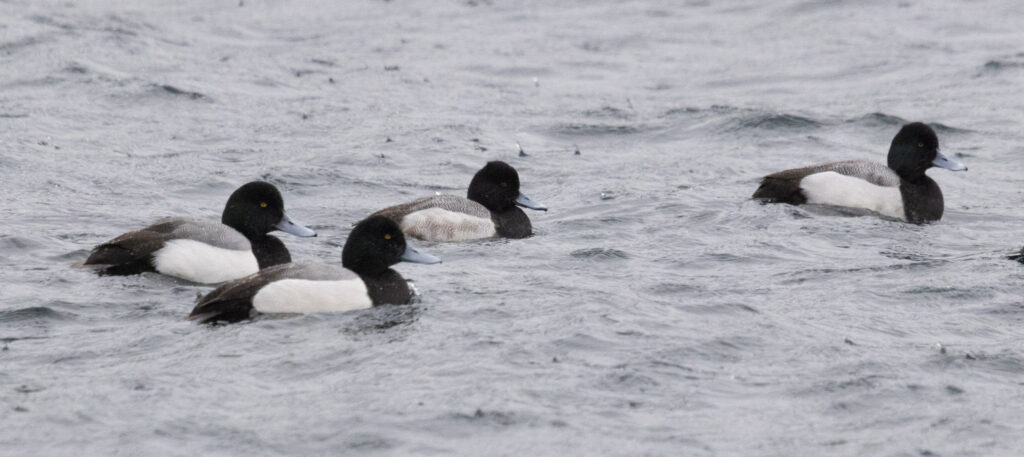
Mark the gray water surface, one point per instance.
(657, 311)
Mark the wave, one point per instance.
(33, 313)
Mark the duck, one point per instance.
(207, 252)
(900, 190)
(363, 280)
(490, 209)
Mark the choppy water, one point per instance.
(658, 311)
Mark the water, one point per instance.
(657, 311)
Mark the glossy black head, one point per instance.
(496, 186)
(374, 245)
(255, 209)
(913, 150)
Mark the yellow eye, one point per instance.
(920, 145)
(263, 204)
(387, 236)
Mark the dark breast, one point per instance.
(270, 251)
(389, 288)
(922, 200)
(513, 223)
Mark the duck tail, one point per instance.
(774, 190)
(229, 311)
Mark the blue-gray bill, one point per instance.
(295, 228)
(942, 161)
(525, 202)
(414, 256)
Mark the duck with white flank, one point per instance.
(900, 190)
(363, 279)
(203, 251)
(489, 210)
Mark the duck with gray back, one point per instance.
(900, 190)
(364, 279)
(203, 251)
(490, 209)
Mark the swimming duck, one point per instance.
(900, 190)
(364, 279)
(489, 210)
(203, 251)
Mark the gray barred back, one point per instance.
(873, 172)
(212, 233)
(452, 203)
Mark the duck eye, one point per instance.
(263, 204)
(920, 145)
(387, 236)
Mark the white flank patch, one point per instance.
(831, 188)
(436, 224)
(199, 262)
(306, 296)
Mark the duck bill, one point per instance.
(942, 161)
(525, 202)
(288, 225)
(414, 256)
